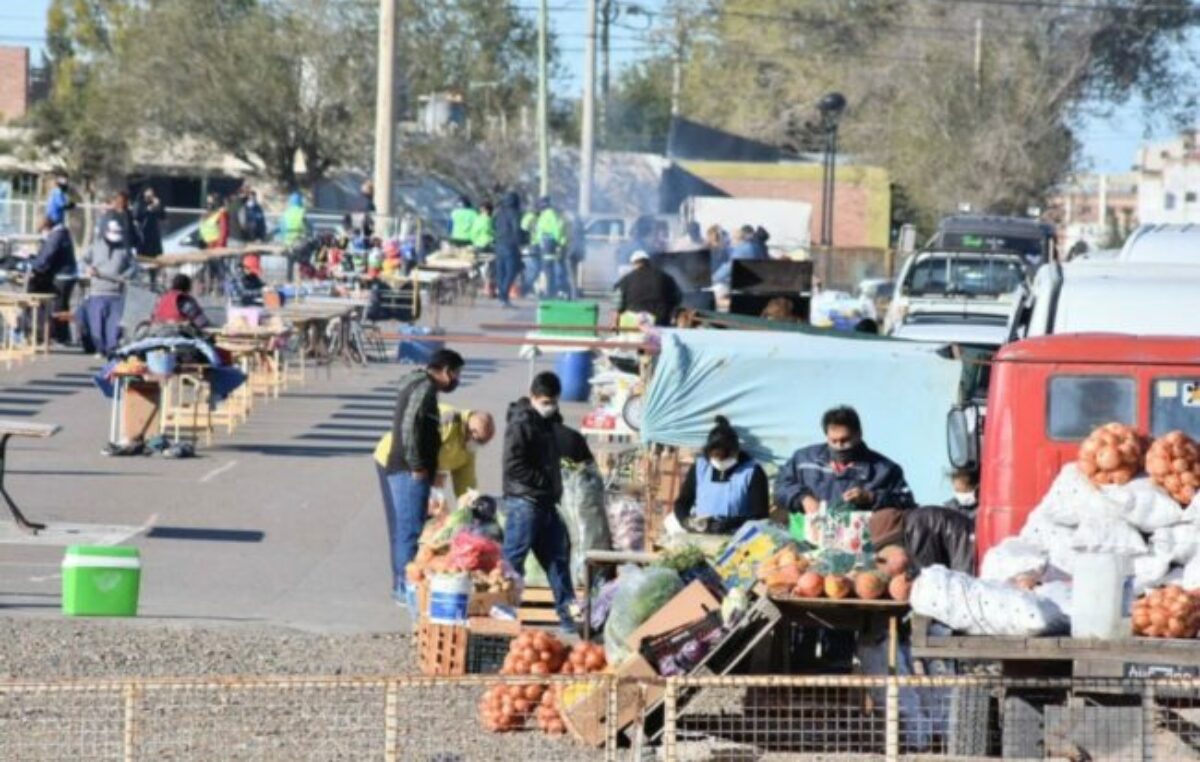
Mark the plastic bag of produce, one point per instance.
(626, 522)
(1108, 536)
(473, 552)
(1179, 543)
(1012, 558)
(582, 510)
(439, 531)
(640, 593)
(982, 607)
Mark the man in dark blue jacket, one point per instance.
(507, 244)
(842, 470)
(53, 271)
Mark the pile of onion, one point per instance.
(586, 658)
(534, 653)
(505, 708)
(1112, 454)
(1168, 612)
(1173, 462)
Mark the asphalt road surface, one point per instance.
(280, 524)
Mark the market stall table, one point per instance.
(312, 320)
(38, 308)
(853, 614)
(8, 430)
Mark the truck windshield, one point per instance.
(970, 276)
(1078, 404)
(1031, 248)
(1175, 405)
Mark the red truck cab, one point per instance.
(1047, 394)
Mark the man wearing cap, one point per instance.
(110, 263)
(647, 289)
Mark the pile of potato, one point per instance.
(506, 707)
(585, 659)
(1173, 463)
(1167, 612)
(1112, 454)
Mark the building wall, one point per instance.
(1169, 180)
(14, 82)
(862, 196)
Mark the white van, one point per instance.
(1164, 244)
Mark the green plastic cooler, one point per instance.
(560, 313)
(100, 581)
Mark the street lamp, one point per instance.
(831, 107)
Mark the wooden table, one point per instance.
(12, 305)
(8, 430)
(312, 319)
(846, 614)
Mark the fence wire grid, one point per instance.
(691, 719)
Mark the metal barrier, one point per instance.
(699, 718)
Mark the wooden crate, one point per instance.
(537, 606)
(446, 649)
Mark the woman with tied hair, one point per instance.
(724, 488)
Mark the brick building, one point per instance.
(14, 82)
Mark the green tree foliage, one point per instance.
(639, 113)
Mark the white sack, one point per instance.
(982, 607)
(1012, 558)
(1149, 570)
(1147, 506)
(1180, 543)
(1108, 536)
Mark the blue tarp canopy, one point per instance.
(774, 387)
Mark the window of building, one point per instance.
(1189, 197)
(1169, 201)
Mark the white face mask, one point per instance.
(965, 499)
(545, 410)
(724, 465)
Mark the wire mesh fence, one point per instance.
(689, 719)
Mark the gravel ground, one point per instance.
(437, 723)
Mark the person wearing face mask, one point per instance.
(532, 490)
(109, 265)
(842, 470)
(724, 488)
(966, 490)
(412, 461)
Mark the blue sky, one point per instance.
(1109, 144)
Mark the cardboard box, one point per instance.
(691, 604)
(587, 718)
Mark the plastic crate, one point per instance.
(561, 316)
(444, 649)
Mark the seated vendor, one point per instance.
(840, 471)
(179, 306)
(724, 488)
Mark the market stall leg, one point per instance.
(24, 523)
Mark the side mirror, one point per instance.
(962, 437)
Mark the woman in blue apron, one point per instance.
(724, 488)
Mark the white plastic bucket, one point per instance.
(448, 597)
(1101, 596)
(160, 362)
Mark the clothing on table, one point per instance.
(455, 454)
(721, 501)
(815, 472)
(531, 456)
(177, 307)
(648, 289)
(148, 217)
(529, 526)
(416, 426)
(410, 506)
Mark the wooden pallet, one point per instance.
(537, 606)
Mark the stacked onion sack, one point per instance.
(1173, 462)
(1112, 454)
(1168, 612)
(505, 708)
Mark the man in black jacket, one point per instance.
(412, 463)
(508, 245)
(532, 489)
(648, 289)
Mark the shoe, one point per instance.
(568, 629)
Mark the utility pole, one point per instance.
(676, 75)
(606, 19)
(543, 102)
(587, 152)
(978, 57)
(385, 113)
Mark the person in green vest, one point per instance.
(483, 232)
(462, 223)
(532, 254)
(550, 233)
(294, 227)
(214, 225)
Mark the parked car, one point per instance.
(1033, 239)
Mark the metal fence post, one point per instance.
(130, 730)
(391, 723)
(892, 720)
(1148, 721)
(669, 709)
(610, 728)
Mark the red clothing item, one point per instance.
(178, 307)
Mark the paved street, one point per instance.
(279, 524)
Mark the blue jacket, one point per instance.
(743, 250)
(811, 472)
(508, 226)
(57, 206)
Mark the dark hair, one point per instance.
(486, 206)
(446, 359)
(969, 474)
(182, 283)
(545, 384)
(722, 437)
(761, 234)
(843, 415)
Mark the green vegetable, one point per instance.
(682, 559)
